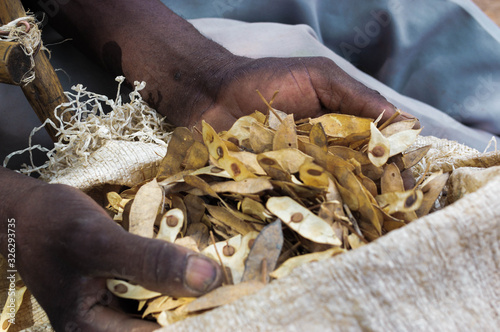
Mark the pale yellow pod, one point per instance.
(378, 147)
(302, 220)
(170, 225)
(291, 263)
(401, 141)
(127, 290)
(232, 253)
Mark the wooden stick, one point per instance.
(14, 63)
(45, 93)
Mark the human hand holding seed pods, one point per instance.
(67, 246)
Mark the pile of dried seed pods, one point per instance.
(271, 194)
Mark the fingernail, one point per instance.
(200, 273)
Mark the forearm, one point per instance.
(144, 40)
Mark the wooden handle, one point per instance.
(45, 93)
(14, 63)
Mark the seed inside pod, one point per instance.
(172, 221)
(120, 288)
(297, 217)
(228, 250)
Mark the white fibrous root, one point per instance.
(89, 127)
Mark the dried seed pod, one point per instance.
(170, 225)
(236, 261)
(291, 263)
(273, 168)
(401, 141)
(378, 147)
(244, 187)
(180, 142)
(286, 135)
(127, 290)
(289, 160)
(431, 188)
(261, 138)
(317, 136)
(342, 125)
(302, 220)
(314, 175)
(144, 209)
(398, 126)
(400, 201)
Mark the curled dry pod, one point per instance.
(431, 188)
(342, 125)
(219, 152)
(378, 147)
(127, 290)
(232, 253)
(302, 220)
(291, 263)
(170, 225)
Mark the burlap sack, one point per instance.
(440, 273)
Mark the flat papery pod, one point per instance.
(352, 141)
(398, 126)
(432, 188)
(224, 295)
(244, 187)
(177, 202)
(166, 318)
(261, 138)
(224, 216)
(332, 192)
(264, 253)
(253, 208)
(303, 221)
(232, 144)
(275, 118)
(232, 253)
(401, 141)
(180, 142)
(144, 209)
(127, 290)
(400, 201)
(411, 158)
(273, 168)
(317, 136)
(342, 125)
(391, 180)
(328, 160)
(314, 175)
(187, 242)
(390, 225)
(249, 159)
(354, 241)
(11, 307)
(348, 197)
(372, 171)
(289, 159)
(298, 192)
(196, 156)
(348, 153)
(165, 303)
(259, 116)
(114, 199)
(195, 208)
(200, 234)
(378, 147)
(199, 183)
(241, 130)
(291, 263)
(219, 152)
(213, 171)
(170, 225)
(286, 134)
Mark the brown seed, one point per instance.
(121, 288)
(410, 200)
(250, 243)
(236, 169)
(210, 138)
(314, 172)
(216, 170)
(297, 217)
(378, 151)
(172, 221)
(5, 324)
(228, 250)
(267, 161)
(220, 151)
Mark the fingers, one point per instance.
(107, 250)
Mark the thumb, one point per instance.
(155, 264)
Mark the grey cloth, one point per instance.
(428, 57)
